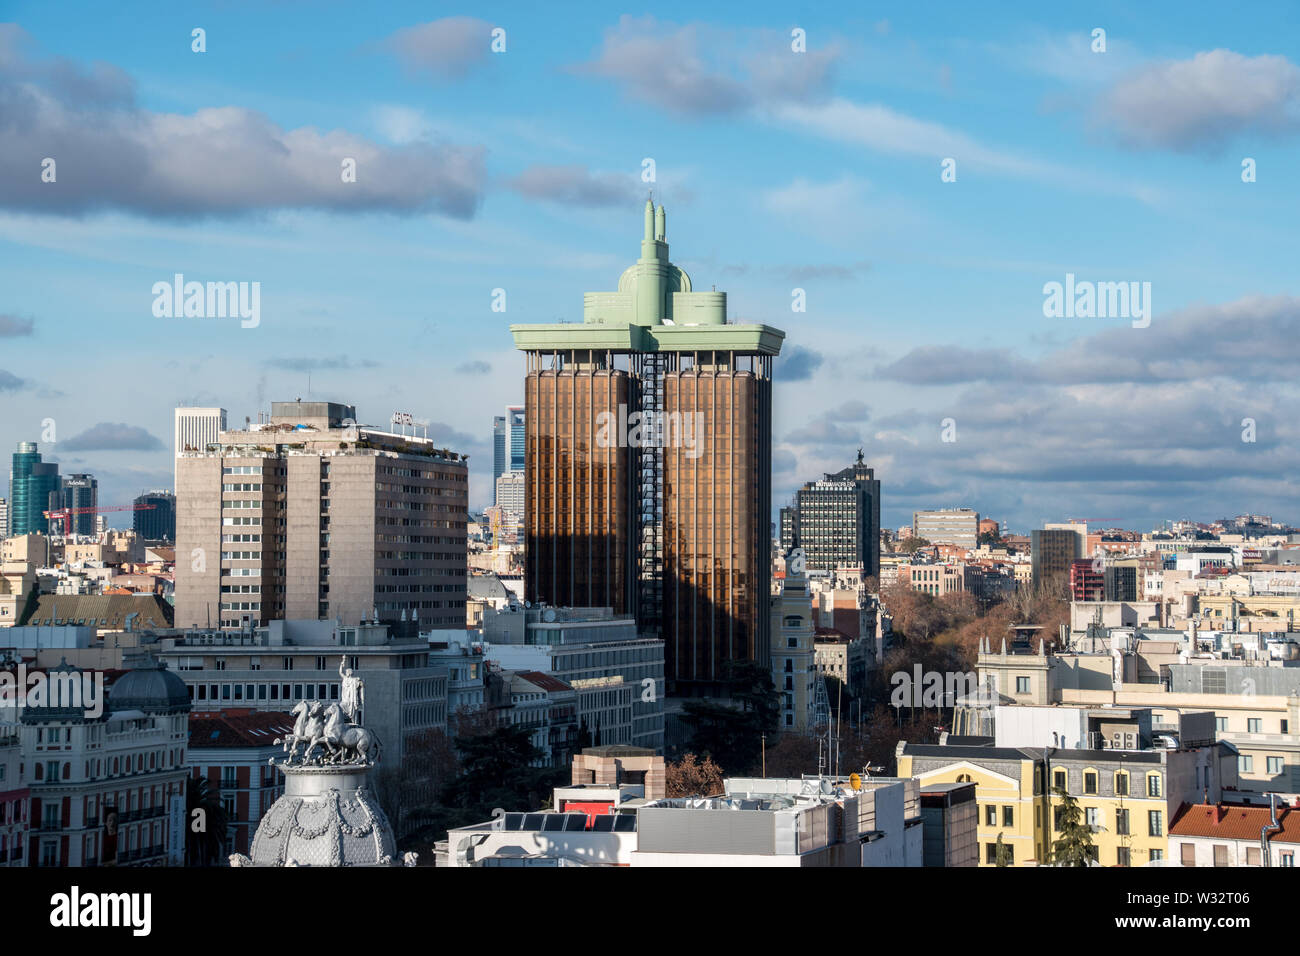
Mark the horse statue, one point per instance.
(345, 742)
(299, 735)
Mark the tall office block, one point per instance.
(4, 518)
(516, 437)
(1051, 552)
(195, 429)
(955, 526)
(80, 491)
(837, 521)
(157, 523)
(33, 490)
(648, 465)
(498, 452)
(311, 516)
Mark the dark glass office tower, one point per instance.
(80, 491)
(498, 452)
(648, 465)
(159, 522)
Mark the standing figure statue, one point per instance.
(352, 693)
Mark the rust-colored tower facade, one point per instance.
(648, 465)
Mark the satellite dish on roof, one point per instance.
(549, 615)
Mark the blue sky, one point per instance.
(817, 170)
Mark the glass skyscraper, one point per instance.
(33, 489)
(80, 491)
(498, 452)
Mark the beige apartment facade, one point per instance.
(310, 516)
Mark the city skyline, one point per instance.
(822, 174)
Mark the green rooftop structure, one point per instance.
(654, 310)
(648, 465)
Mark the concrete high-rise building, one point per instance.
(309, 515)
(33, 490)
(196, 429)
(4, 518)
(837, 521)
(159, 522)
(80, 491)
(510, 499)
(498, 452)
(648, 466)
(956, 526)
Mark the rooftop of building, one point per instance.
(655, 308)
(237, 728)
(542, 681)
(1234, 822)
(104, 611)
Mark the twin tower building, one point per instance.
(648, 465)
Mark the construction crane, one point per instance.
(66, 514)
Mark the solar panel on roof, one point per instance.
(625, 823)
(575, 822)
(533, 821)
(604, 824)
(554, 821)
(513, 821)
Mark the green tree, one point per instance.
(1001, 853)
(731, 731)
(1074, 845)
(205, 824)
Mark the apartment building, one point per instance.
(105, 790)
(271, 668)
(1128, 794)
(309, 515)
(957, 526)
(233, 750)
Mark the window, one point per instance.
(1022, 685)
(1252, 856)
(1121, 822)
(1189, 854)
(1153, 785)
(1221, 724)
(1092, 817)
(1254, 725)
(1155, 823)
(1122, 856)
(1121, 784)
(990, 816)
(1157, 854)
(1220, 854)
(1090, 781)
(1058, 780)
(990, 853)
(1274, 765)
(1286, 859)
(1008, 816)
(1245, 763)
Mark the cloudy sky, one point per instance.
(819, 170)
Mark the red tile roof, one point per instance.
(240, 728)
(1234, 822)
(544, 681)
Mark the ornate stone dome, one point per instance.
(327, 817)
(150, 687)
